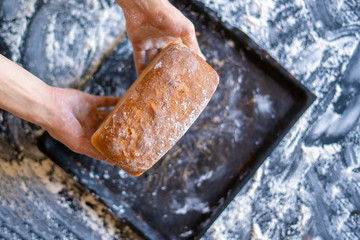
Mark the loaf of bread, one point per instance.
(157, 109)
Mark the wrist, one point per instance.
(44, 107)
(145, 6)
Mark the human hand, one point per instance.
(69, 115)
(153, 24)
(75, 117)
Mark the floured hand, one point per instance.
(153, 24)
(76, 118)
(69, 115)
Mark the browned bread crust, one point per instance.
(157, 109)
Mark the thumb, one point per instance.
(139, 60)
(88, 149)
(189, 39)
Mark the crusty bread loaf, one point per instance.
(157, 109)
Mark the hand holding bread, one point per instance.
(153, 24)
(157, 109)
(72, 116)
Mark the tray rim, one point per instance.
(309, 97)
(238, 183)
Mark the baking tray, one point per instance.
(255, 105)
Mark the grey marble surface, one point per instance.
(307, 189)
(62, 42)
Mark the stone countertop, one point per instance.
(309, 188)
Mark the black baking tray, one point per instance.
(255, 105)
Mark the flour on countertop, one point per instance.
(307, 188)
(61, 42)
(13, 28)
(60, 206)
(302, 185)
(71, 211)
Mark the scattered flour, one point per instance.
(13, 31)
(263, 104)
(192, 204)
(42, 188)
(158, 65)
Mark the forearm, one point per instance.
(23, 94)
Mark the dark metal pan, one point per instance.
(256, 103)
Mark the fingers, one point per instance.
(189, 39)
(102, 114)
(96, 155)
(139, 60)
(92, 152)
(86, 148)
(106, 101)
(150, 54)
